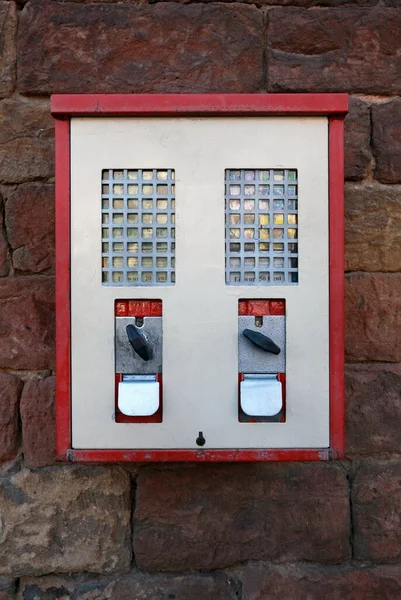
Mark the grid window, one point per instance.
(138, 227)
(261, 220)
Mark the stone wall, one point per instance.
(219, 532)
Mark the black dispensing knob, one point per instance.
(262, 341)
(139, 343)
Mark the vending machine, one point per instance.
(199, 277)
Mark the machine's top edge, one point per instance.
(169, 105)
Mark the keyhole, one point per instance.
(200, 440)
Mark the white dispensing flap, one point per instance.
(138, 396)
(261, 395)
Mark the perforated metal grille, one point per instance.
(138, 227)
(261, 226)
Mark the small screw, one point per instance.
(200, 440)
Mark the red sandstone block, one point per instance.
(27, 323)
(373, 408)
(387, 141)
(30, 227)
(4, 254)
(373, 317)
(372, 227)
(7, 589)
(26, 140)
(317, 582)
(303, 3)
(38, 422)
(334, 50)
(376, 505)
(10, 390)
(65, 519)
(126, 48)
(358, 154)
(8, 32)
(135, 586)
(208, 517)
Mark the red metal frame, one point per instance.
(166, 105)
(333, 106)
(63, 308)
(336, 285)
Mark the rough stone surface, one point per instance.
(10, 389)
(376, 502)
(4, 254)
(372, 227)
(303, 3)
(134, 586)
(387, 141)
(373, 408)
(8, 32)
(71, 47)
(281, 582)
(26, 140)
(27, 323)
(65, 519)
(11, 467)
(357, 135)
(334, 50)
(30, 227)
(38, 422)
(66, 529)
(7, 589)
(373, 317)
(212, 517)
